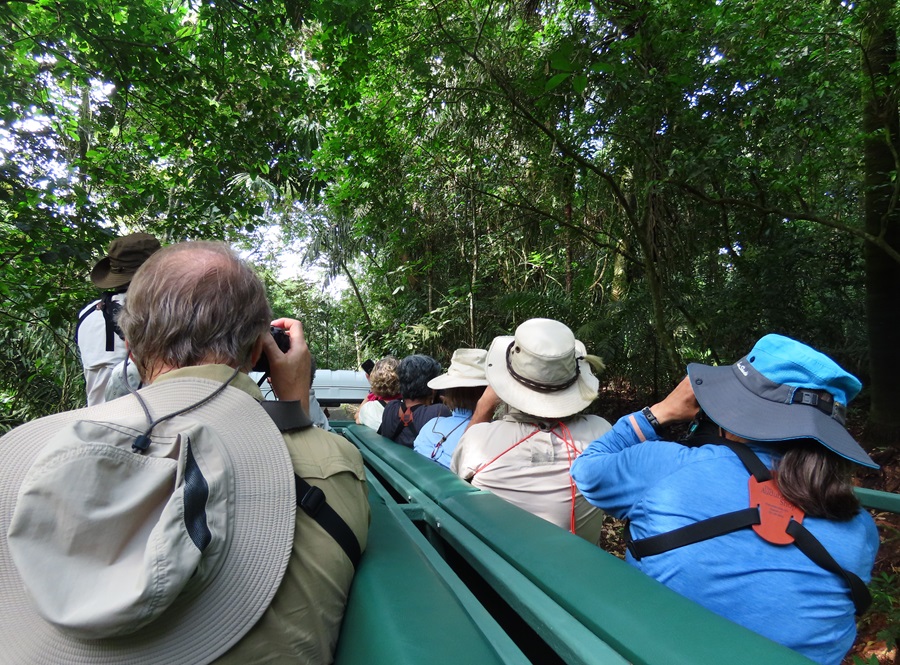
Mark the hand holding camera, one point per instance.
(289, 361)
(282, 340)
(680, 405)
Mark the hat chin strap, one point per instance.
(142, 442)
(539, 385)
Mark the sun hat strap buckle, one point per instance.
(538, 385)
(821, 400)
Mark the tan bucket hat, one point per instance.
(171, 556)
(466, 370)
(542, 370)
(124, 256)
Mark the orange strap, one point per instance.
(571, 453)
(406, 416)
(494, 459)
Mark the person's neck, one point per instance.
(415, 402)
(158, 370)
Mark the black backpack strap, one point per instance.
(88, 310)
(691, 533)
(711, 527)
(110, 309)
(110, 325)
(290, 416)
(811, 547)
(400, 408)
(412, 424)
(750, 460)
(314, 503)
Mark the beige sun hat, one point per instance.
(171, 556)
(542, 370)
(466, 370)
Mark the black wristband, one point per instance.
(654, 423)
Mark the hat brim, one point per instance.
(200, 626)
(444, 381)
(103, 278)
(727, 401)
(559, 404)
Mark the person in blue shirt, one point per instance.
(462, 386)
(785, 403)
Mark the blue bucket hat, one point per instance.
(781, 390)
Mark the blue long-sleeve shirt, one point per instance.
(449, 428)
(774, 590)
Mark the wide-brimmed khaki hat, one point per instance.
(542, 370)
(466, 370)
(113, 556)
(124, 256)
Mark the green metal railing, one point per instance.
(586, 605)
(876, 500)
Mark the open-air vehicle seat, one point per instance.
(456, 575)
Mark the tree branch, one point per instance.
(878, 241)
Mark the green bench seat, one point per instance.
(641, 619)
(567, 589)
(419, 472)
(405, 610)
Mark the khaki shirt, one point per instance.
(534, 474)
(303, 622)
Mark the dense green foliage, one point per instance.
(670, 178)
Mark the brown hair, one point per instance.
(383, 377)
(194, 303)
(817, 481)
(462, 398)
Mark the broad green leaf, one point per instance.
(555, 81)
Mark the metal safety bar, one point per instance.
(585, 604)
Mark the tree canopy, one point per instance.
(671, 178)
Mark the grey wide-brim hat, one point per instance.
(542, 370)
(171, 558)
(124, 256)
(466, 371)
(781, 391)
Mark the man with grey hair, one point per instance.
(184, 522)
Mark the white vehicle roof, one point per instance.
(332, 387)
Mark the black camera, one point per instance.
(701, 431)
(282, 339)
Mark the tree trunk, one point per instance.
(569, 277)
(355, 288)
(882, 126)
(473, 276)
(655, 288)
